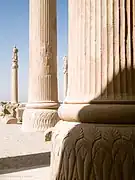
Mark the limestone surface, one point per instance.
(93, 151)
(43, 89)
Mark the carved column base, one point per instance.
(39, 119)
(93, 151)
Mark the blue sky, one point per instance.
(14, 26)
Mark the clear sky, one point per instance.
(14, 28)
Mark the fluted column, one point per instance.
(101, 59)
(65, 71)
(14, 76)
(98, 114)
(41, 110)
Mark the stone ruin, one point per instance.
(11, 113)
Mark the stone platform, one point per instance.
(41, 173)
(22, 152)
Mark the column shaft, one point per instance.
(14, 86)
(96, 133)
(14, 77)
(65, 71)
(100, 54)
(43, 92)
(43, 52)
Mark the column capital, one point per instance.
(15, 58)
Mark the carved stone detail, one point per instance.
(43, 88)
(65, 67)
(93, 151)
(15, 58)
(65, 71)
(47, 58)
(39, 119)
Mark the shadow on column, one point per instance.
(103, 146)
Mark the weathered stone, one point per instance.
(65, 71)
(39, 119)
(42, 91)
(19, 113)
(8, 108)
(8, 120)
(93, 151)
(14, 75)
(101, 94)
(101, 60)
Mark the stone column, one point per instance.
(101, 55)
(65, 71)
(97, 132)
(41, 110)
(14, 76)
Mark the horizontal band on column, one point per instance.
(97, 113)
(104, 102)
(47, 105)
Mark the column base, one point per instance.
(39, 119)
(93, 151)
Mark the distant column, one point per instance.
(14, 76)
(65, 71)
(41, 110)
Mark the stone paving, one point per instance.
(33, 174)
(24, 156)
(14, 142)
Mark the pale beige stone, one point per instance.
(100, 53)
(65, 71)
(42, 91)
(101, 93)
(89, 151)
(14, 76)
(19, 113)
(58, 134)
(8, 120)
(39, 119)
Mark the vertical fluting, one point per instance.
(65, 71)
(110, 64)
(104, 36)
(116, 52)
(87, 46)
(122, 49)
(43, 52)
(98, 49)
(14, 87)
(128, 48)
(41, 110)
(92, 48)
(101, 57)
(133, 45)
(34, 48)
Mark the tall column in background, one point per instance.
(41, 110)
(65, 71)
(14, 76)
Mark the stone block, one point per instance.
(8, 120)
